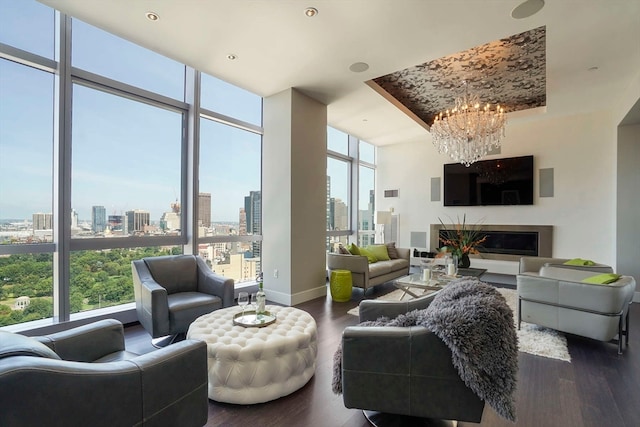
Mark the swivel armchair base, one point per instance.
(162, 342)
(384, 419)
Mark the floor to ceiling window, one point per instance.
(366, 193)
(95, 167)
(350, 190)
(230, 193)
(338, 189)
(26, 171)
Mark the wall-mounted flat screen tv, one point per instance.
(507, 181)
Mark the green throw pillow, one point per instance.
(579, 261)
(370, 256)
(379, 251)
(602, 279)
(353, 249)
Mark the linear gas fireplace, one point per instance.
(507, 242)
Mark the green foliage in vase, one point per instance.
(461, 238)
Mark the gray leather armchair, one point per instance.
(396, 374)
(557, 298)
(531, 265)
(172, 291)
(85, 377)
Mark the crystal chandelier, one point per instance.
(468, 132)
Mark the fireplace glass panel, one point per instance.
(508, 242)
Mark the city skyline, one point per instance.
(107, 213)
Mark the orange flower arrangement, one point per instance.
(461, 239)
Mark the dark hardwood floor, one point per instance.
(598, 388)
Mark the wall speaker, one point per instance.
(546, 182)
(435, 189)
(418, 239)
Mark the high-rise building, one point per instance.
(242, 222)
(98, 219)
(42, 221)
(340, 215)
(116, 223)
(204, 210)
(170, 221)
(330, 204)
(74, 218)
(331, 209)
(366, 220)
(137, 220)
(253, 214)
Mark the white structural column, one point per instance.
(628, 204)
(294, 171)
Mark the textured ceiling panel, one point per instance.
(510, 72)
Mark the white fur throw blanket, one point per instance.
(473, 319)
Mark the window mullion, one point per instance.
(353, 188)
(62, 171)
(191, 161)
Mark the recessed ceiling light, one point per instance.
(359, 67)
(527, 9)
(152, 16)
(232, 56)
(311, 12)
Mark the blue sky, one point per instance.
(126, 154)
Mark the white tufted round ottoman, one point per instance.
(255, 365)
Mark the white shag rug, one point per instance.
(532, 339)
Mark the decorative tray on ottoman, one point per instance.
(250, 319)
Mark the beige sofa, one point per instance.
(367, 275)
(556, 297)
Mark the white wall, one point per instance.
(582, 151)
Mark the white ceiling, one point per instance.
(278, 47)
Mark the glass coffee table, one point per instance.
(437, 281)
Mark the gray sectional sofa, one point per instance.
(365, 275)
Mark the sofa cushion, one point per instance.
(380, 268)
(370, 256)
(19, 345)
(379, 251)
(579, 261)
(397, 264)
(353, 249)
(342, 250)
(602, 279)
(392, 250)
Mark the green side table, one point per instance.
(341, 285)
